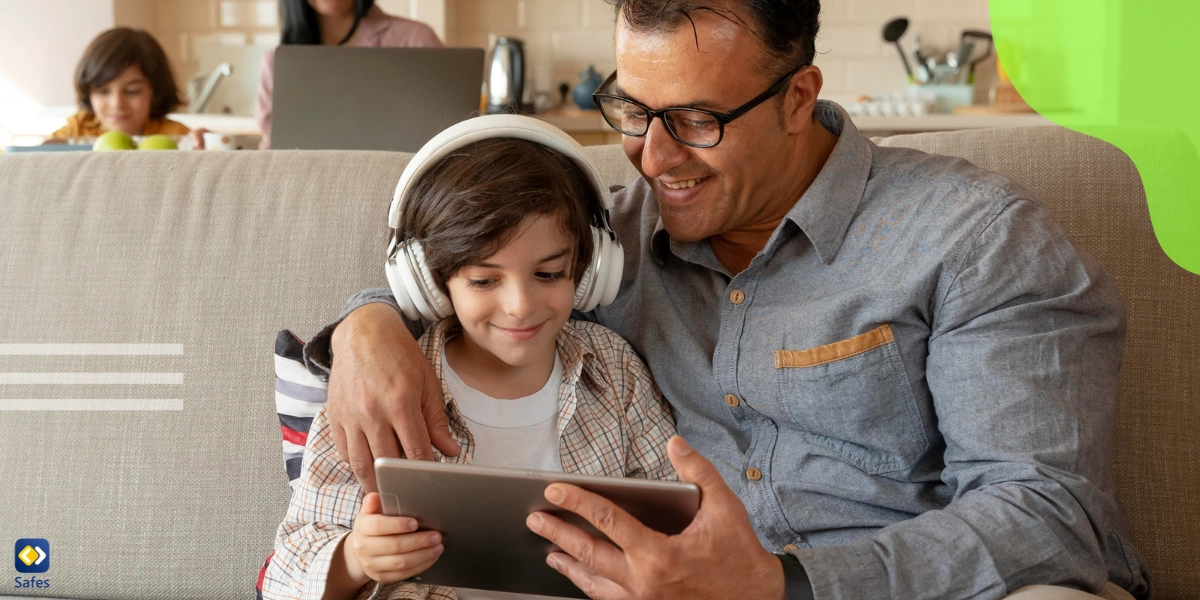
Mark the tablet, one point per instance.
(481, 511)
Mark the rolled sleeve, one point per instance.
(318, 353)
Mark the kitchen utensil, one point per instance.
(214, 140)
(957, 59)
(892, 33)
(564, 89)
(979, 35)
(924, 70)
(506, 77)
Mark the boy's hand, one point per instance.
(197, 136)
(388, 549)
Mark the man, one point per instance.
(895, 370)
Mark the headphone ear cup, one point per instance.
(583, 291)
(610, 283)
(438, 304)
(397, 269)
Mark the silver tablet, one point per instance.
(481, 513)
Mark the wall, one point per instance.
(562, 37)
(198, 35)
(40, 43)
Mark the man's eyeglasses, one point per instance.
(695, 127)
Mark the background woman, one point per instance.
(335, 23)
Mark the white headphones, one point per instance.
(408, 275)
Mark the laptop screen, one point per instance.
(335, 98)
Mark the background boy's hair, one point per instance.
(118, 49)
(469, 205)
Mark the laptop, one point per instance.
(334, 98)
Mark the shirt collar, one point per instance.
(576, 353)
(825, 209)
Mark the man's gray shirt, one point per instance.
(912, 387)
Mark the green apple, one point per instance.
(157, 141)
(114, 140)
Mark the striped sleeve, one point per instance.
(299, 396)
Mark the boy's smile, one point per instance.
(511, 308)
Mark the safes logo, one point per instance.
(32, 555)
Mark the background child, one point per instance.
(124, 83)
(504, 229)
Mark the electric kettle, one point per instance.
(506, 77)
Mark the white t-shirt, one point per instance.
(518, 433)
(521, 433)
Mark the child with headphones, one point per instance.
(500, 230)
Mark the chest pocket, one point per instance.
(854, 397)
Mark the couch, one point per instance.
(201, 257)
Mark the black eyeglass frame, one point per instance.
(721, 118)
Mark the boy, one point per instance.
(500, 232)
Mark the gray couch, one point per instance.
(211, 253)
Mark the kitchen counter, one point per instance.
(588, 126)
(875, 126)
(231, 124)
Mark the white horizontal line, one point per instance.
(40, 404)
(91, 378)
(90, 349)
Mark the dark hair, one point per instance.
(470, 205)
(118, 49)
(788, 28)
(300, 24)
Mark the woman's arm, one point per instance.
(266, 88)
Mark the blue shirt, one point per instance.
(912, 387)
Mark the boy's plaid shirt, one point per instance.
(612, 421)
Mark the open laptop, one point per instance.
(329, 98)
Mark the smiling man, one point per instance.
(896, 376)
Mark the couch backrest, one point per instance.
(211, 253)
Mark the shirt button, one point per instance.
(737, 297)
(791, 548)
(731, 400)
(753, 474)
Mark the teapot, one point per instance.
(590, 80)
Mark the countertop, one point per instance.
(581, 121)
(573, 121)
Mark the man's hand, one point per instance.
(717, 556)
(383, 394)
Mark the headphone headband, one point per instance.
(408, 275)
(487, 127)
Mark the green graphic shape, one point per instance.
(1126, 72)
